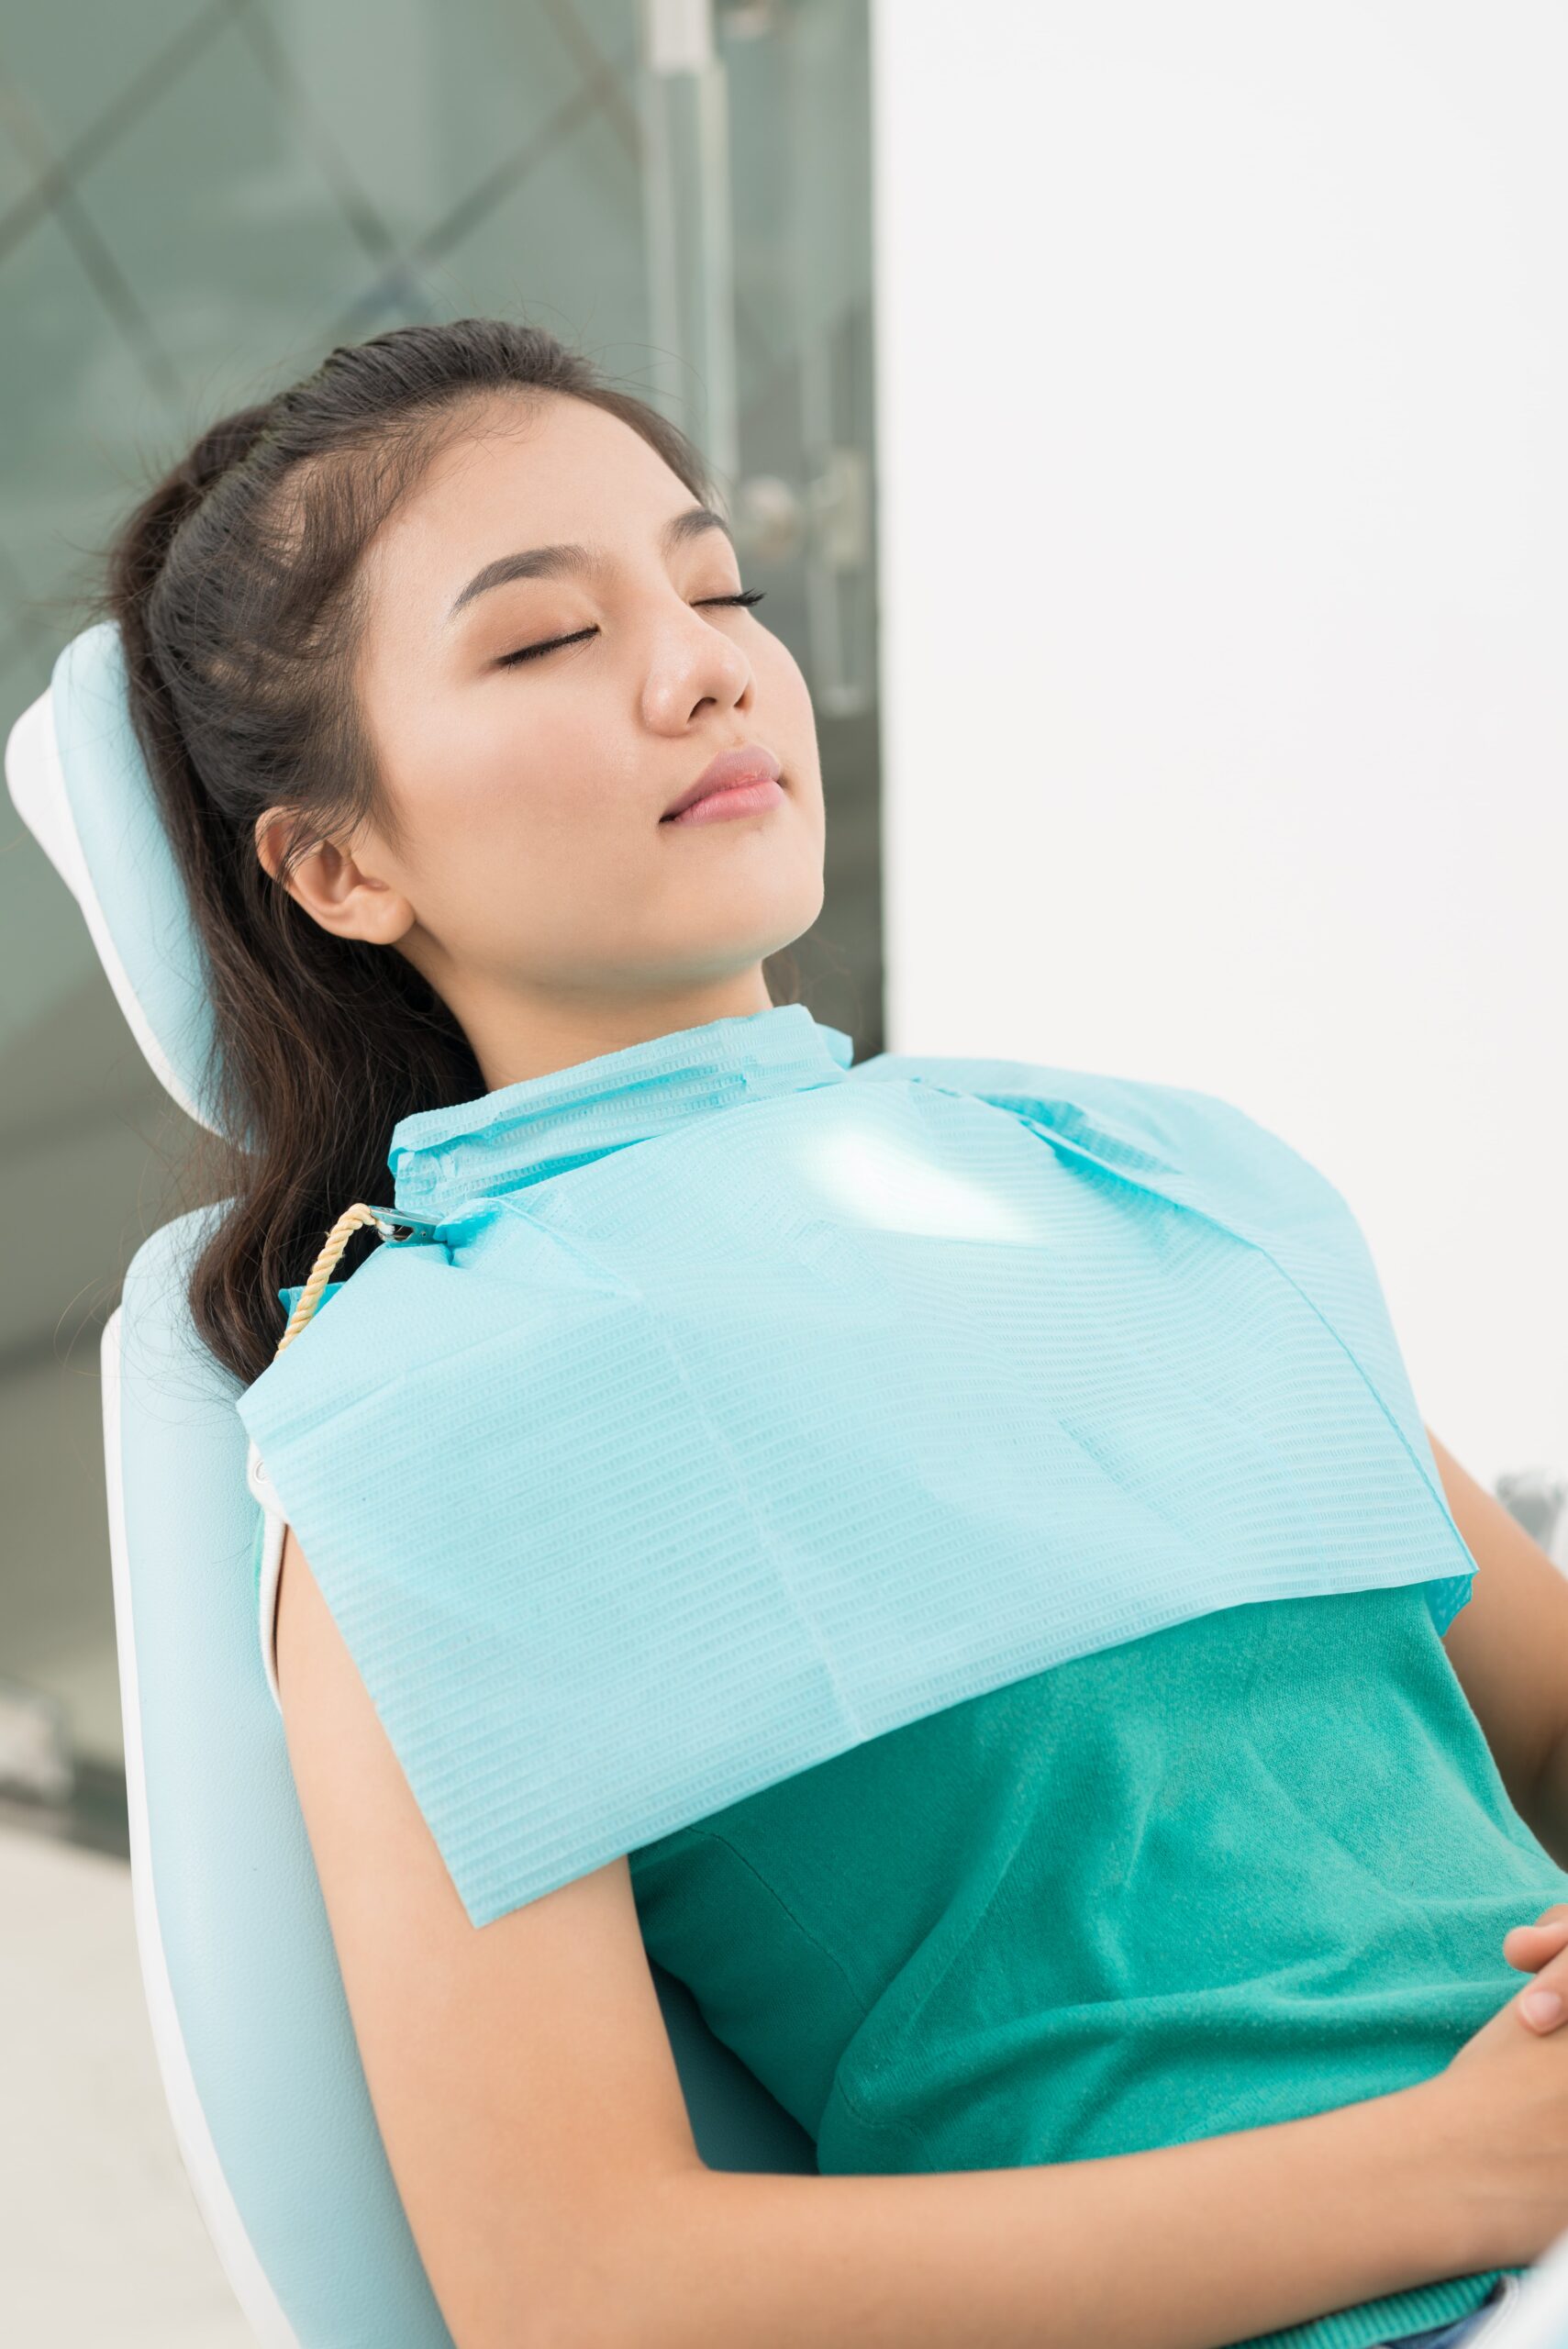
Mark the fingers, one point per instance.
(1529, 1946)
(1542, 2008)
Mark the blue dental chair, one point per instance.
(252, 2032)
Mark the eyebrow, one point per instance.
(553, 562)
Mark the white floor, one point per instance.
(100, 2243)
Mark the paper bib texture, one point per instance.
(661, 1477)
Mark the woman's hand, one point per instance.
(1541, 2009)
(1495, 2120)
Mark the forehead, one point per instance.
(517, 473)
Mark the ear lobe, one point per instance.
(359, 904)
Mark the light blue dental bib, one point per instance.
(748, 1404)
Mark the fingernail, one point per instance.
(1542, 2006)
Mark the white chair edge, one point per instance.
(37, 784)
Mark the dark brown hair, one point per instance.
(236, 585)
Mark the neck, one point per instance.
(520, 1034)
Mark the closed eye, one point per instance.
(533, 651)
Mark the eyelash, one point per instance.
(532, 652)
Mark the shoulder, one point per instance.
(1136, 1123)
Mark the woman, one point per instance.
(1156, 1999)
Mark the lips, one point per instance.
(749, 763)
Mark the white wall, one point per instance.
(1223, 474)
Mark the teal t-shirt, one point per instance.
(1252, 1867)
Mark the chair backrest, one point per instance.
(254, 2040)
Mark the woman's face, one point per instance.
(534, 880)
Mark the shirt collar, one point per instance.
(442, 1159)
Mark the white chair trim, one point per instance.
(36, 783)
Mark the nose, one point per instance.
(692, 664)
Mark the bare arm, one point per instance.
(528, 2101)
(1508, 1646)
(1180, 2248)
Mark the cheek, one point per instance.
(783, 671)
(786, 700)
(518, 816)
(507, 773)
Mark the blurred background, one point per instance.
(1177, 572)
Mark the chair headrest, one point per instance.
(79, 784)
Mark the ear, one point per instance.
(332, 886)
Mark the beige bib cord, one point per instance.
(388, 1222)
